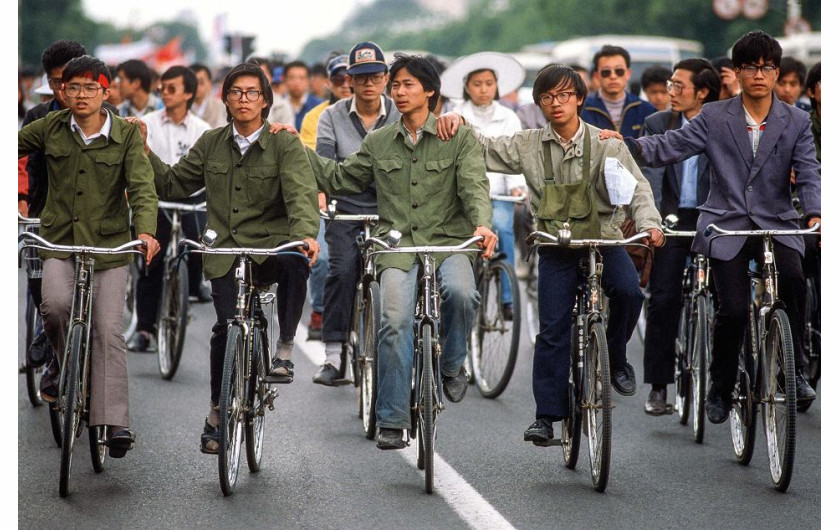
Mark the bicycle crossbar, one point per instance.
(183, 207)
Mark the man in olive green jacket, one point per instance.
(260, 193)
(94, 159)
(434, 193)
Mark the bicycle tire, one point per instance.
(230, 404)
(570, 427)
(682, 375)
(813, 339)
(130, 308)
(71, 407)
(494, 340)
(33, 319)
(742, 417)
(256, 395)
(598, 404)
(172, 319)
(369, 341)
(98, 449)
(428, 409)
(699, 367)
(778, 399)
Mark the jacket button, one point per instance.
(414, 205)
(78, 193)
(749, 188)
(236, 210)
(81, 172)
(413, 182)
(414, 159)
(233, 231)
(239, 164)
(238, 188)
(76, 219)
(414, 227)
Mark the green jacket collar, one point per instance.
(429, 127)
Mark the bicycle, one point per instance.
(72, 406)
(694, 337)
(34, 325)
(766, 367)
(173, 315)
(494, 340)
(589, 377)
(364, 323)
(426, 385)
(245, 393)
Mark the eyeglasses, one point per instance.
(75, 90)
(751, 69)
(606, 72)
(54, 82)
(677, 88)
(562, 97)
(364, 78)
(235, 94)
(170, 89)
(339, 80)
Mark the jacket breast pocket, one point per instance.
(113, 225)
(437, 175)
(389, 174)
(263, 184)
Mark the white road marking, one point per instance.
(457, 492)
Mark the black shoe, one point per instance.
(539, 432)
(507, 311)
(49, 382)
(40, 351)
(454, 387)
(390, 439)
(119, 443)
(210, 439)
(624, 380)
(282, 372)
(327, 375)
(140, 341)
(804, 392)
(205, 294)
(717, 404)
(655, 404)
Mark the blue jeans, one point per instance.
(503, 226)
(318, 274)
(556, 287)
(459, 300)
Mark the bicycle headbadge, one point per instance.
(670, 221)
(209, 237)
(393, 237)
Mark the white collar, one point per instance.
(354, 109)
(251, 138)
(104, 131)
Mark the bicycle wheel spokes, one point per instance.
(597, 404)
(778, 400)
(428, 408)
(571, 426)
(70, 406)
(33, 327)
(230, 410)
(257, 395)
(172, 319)
(699, 366)
(369, 343)
(682, 377)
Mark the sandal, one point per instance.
(119, 443)
(282, 372)
(210, 439)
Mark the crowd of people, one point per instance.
(424, 146)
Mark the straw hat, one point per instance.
(509, 73)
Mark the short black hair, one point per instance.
(811, 81)
(754, 46)
(553, 75)
(249, 68)
(86, 66)
(60, 53)
(136, 69)
(201, 67)
(190, 80)
(608, 50)
(655, 74)
(422, 69)
(722, 62)
(474, 72)
(318, 69)
(703, 75)
(790, 65)
(296, 64)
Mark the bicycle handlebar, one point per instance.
(28, 220)
(563, 239)
(388, 249)
(813, 231)
(183, 207)
(365, 218)
(507, 198)
(290, 247)
(43, 244)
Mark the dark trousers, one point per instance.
(663, 310)
(733, 292)
(557, 284)
(340, 285)
(289, 273)
(150, 285)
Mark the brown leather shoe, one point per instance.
(655, 404)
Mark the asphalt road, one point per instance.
(318, 470)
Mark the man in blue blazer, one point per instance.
(678, 189)
(752, 142)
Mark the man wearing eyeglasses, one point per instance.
(752, 142)
(341, 129)
(260, 193)
(613, 107)
(171, 132)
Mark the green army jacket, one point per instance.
(258, 200)
(86, 197)
(522, 153)
(434, 193)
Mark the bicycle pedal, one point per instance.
(549, 443)
(343, 382)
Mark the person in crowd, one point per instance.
(791, 83)
(207, 105)
(135, 82)
(281, 111)
(654, 85)
(729, 84)
(319, 80)
(297, 83)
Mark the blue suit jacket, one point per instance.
(745, 190)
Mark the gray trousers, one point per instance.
(109, 371)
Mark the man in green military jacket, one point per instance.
(94, 159)
(260, 193)
(434, 193)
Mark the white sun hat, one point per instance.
(44, 89)
(509, 73)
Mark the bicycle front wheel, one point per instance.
(428, 409)
(682, 375)
(570, 427)
(98, 449)
(778, 399)
(256, 393)
(369, 341)
(495, 340)
(597, 404)
(70, 405)
(231, 404)
(33, 324)
(813, 337)
(172, 319)
(742, 416)
(699, 366)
